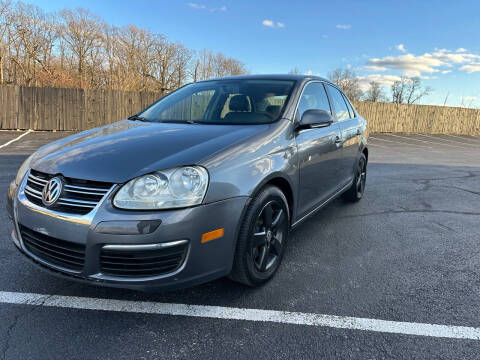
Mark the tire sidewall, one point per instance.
(268, 194)
(364, 160)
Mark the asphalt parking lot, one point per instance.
(368, 280)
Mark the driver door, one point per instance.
(319, 152)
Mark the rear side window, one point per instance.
(314, 97)
(339, 105)
(350, 108)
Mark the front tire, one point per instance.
(262, 238)
(355, 192)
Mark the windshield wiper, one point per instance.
(179, 122)
(136, 117)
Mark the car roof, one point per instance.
(296, 77)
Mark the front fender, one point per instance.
(243, 168)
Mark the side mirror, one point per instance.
(314, 119)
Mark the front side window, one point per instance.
(314, 97)
(341, 110)
(192, 108)
(223, 102)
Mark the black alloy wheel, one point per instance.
(267, 241)
(262, 238)
(361, 176)
(356, 191)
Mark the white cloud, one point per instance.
(472, 67)
(383, 80)
(401, 47)
(458, 58)
(410, 65)
(375, 68)
(273, 24)
(461, 50)
(199, 6)
(446, 71)
(344, 26)
(221, 9)
(438, 61)
(196, 5)
(268, 23)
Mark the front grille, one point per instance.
(54, 251)
(143, 263)
(78, 196)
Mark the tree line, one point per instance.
(406, 90)
(76, 48)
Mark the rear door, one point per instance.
(318, 152)
(350, 133)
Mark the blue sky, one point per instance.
(381, 40)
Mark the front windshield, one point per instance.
(223, 102)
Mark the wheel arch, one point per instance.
(284, 184)
(365, 152)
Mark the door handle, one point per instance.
(358, 132)
(338, 140)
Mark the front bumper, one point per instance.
(106, 226)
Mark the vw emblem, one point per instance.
(52, 191)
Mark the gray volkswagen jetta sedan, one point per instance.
(204, 183)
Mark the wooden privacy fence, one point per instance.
(76, 109)
(421, 119)
(67, 109)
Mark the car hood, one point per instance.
(127, 149)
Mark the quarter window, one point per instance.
(340, 108)
(350, 108)
(314, 97)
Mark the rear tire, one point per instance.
(262, 238)
(355, 192)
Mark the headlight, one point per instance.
(173, 188)
(23, 170)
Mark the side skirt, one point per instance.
(331, 198)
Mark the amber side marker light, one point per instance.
(212, 235)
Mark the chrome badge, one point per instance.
(52, 191)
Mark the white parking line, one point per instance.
(371, 137)
(443, 140)
(428, 142)
(16, 139)
(466, 137)
(228, 313)
(401, 143)
(371, 144)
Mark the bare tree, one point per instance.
(348, 81)
(5, 7)
(409, 90)
(208, 64)
(36, 34)
(398, 91)
(82, 32)
(375, 92)
(468, 102)
(446, 99)
(75, 48)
